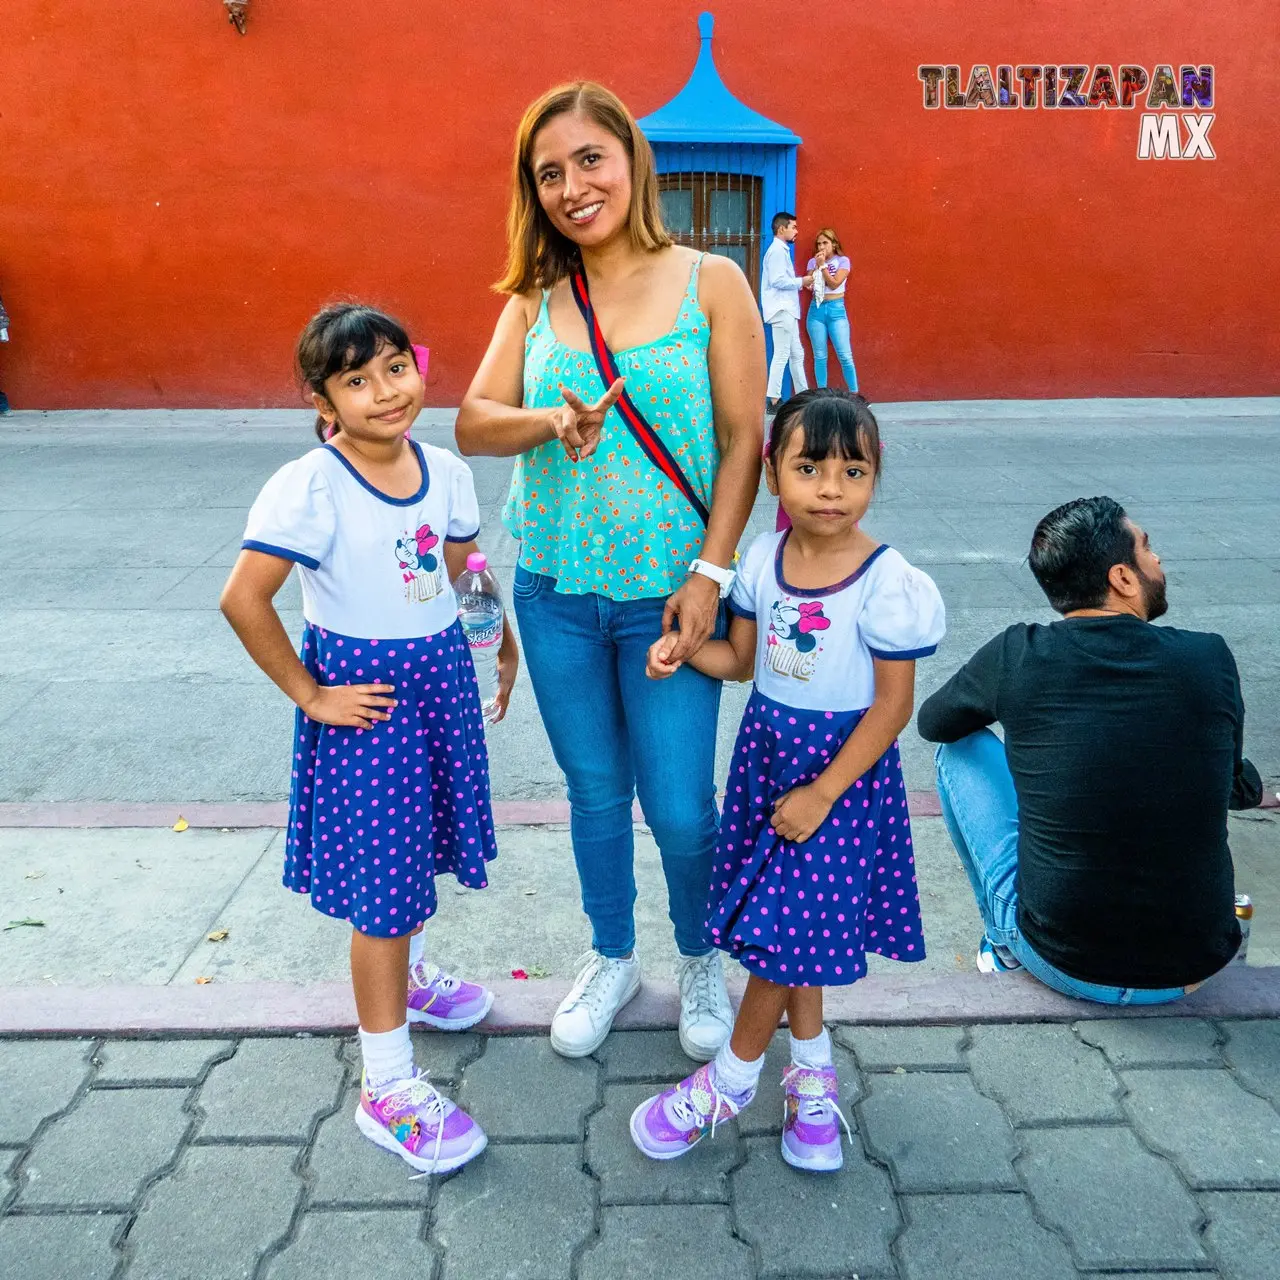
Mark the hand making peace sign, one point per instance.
(577, 424)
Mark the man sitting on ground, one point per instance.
(1095, 837)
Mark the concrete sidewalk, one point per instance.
(135, 906)
(1044, 1152)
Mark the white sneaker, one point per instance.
(586, 1014)
(706, 1017)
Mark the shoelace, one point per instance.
(431, 975)
(697, 984)
(592, 983)
(420, 1094)
(683, 1108)
(428, 974)
(815, 1108)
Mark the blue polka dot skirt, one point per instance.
(376, 815)
(806, 914)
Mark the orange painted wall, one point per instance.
(176, 200)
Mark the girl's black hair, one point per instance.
(345, 335)
(834, 422)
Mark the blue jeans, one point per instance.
(980, 808)
(831, 319)
(614, 733)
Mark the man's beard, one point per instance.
(1154, 596)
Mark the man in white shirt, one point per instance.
(780, 302)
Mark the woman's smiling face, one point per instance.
(582, 174)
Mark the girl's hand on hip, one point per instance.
(659, 665)
(578, 425)
(696, 606)
(352, 706)
(798, 814)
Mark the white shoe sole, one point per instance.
(582, 1051)
(428, 1019)
(697, 1054)
(644, 1151)
(813, 1164)
(380, 1137)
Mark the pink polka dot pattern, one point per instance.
(376, 814)
(806, 914)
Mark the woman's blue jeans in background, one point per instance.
(831, 320)
(616, 733)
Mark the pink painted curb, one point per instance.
(202, 814)
(282, 1008)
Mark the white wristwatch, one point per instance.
(723, 578)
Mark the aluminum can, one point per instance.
(1244, 913)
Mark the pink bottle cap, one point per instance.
(477, 562)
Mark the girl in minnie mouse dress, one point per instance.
(390, 786)
(814, 865)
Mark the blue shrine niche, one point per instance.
(724, 170)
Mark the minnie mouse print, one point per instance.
(419, 568)
(793, 643)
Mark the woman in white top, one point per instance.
(827, 317)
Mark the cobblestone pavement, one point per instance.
(1142, 1147)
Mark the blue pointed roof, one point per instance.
(705, 111)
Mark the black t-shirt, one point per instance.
(1124, 740)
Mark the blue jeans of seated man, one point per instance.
(831, 320)
(980, 808)
(616, 733)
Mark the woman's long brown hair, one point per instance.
(830, 235)
(539, 256)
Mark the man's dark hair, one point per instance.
(1074, 548)
(780, 220)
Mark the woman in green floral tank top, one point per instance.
(613, 553)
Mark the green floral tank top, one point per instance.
(614, 525)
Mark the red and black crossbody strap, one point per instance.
(646, 437)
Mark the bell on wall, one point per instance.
(237, 13)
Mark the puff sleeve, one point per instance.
(293, 517)
(464, 509)
(742, 597)
(903, 616)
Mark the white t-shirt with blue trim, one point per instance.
(371, 566)
(815, 649)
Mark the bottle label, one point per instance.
(483, 637)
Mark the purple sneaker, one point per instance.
(673, 1122)
(417, 1122)
(810, 1134)
(440, 1000)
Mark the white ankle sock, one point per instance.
(417, 946)
(388, 1055)
(812, 1053)
(735, 1076)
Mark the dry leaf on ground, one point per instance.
(182, 824)
(203, 982)
(218, 935)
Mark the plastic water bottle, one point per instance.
(480, 612)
